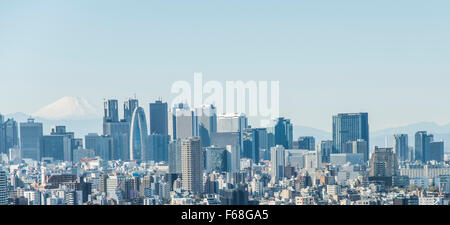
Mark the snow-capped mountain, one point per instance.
(68, 108)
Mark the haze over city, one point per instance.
(382, 57)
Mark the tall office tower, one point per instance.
(56, 147)
(277, 163)
(159, 118)
(436, 151)
(326, 147)
(138, 135)
(307, 143)
(158, 147)
(383, 163)
(422, 146)
(232, 142)
(111, 109)
(233, 123)
(119, 131)
(254, 142)
(192, 164)
(3, 188)
(183, 122)
(207, 123)
(361, 146)
(401, 148)
(30, 137)
(283, 132)
(216, 159)
(129, 106)
(349, 127)
(70, 136)
(11, 137)
(102, 145)
(249, 144)
(175, 157)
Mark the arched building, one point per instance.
(138, 135)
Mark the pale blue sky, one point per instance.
(389, 58)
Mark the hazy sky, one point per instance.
(388, 58)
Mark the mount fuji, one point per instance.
(75, 113)
(68, 108)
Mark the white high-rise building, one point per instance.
(192, 164)
(182, 122)
(232, 123)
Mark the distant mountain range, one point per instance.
(82, 118)
(378, 138)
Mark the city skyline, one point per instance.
(332, 57)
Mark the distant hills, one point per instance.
(378, 138)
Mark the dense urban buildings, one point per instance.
(185, 156)
(349, 127)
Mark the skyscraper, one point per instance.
(232, 142)
(207, 123)
(183, 122)
(383, 163)
(102, 145)
(232, 123)
(401, 147)
(158, 147)
(111, 111)
(422, 146)
(283, 132)
(138, 135)
(11, 136)
(56, 146)
(436, 151)
(326, 148)
(175, 157)
(192, 164)
(349, 127)
(277, 163)
(307, 143)
(30, 137)
(129, 106)
(119, 131)
(159, 118)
